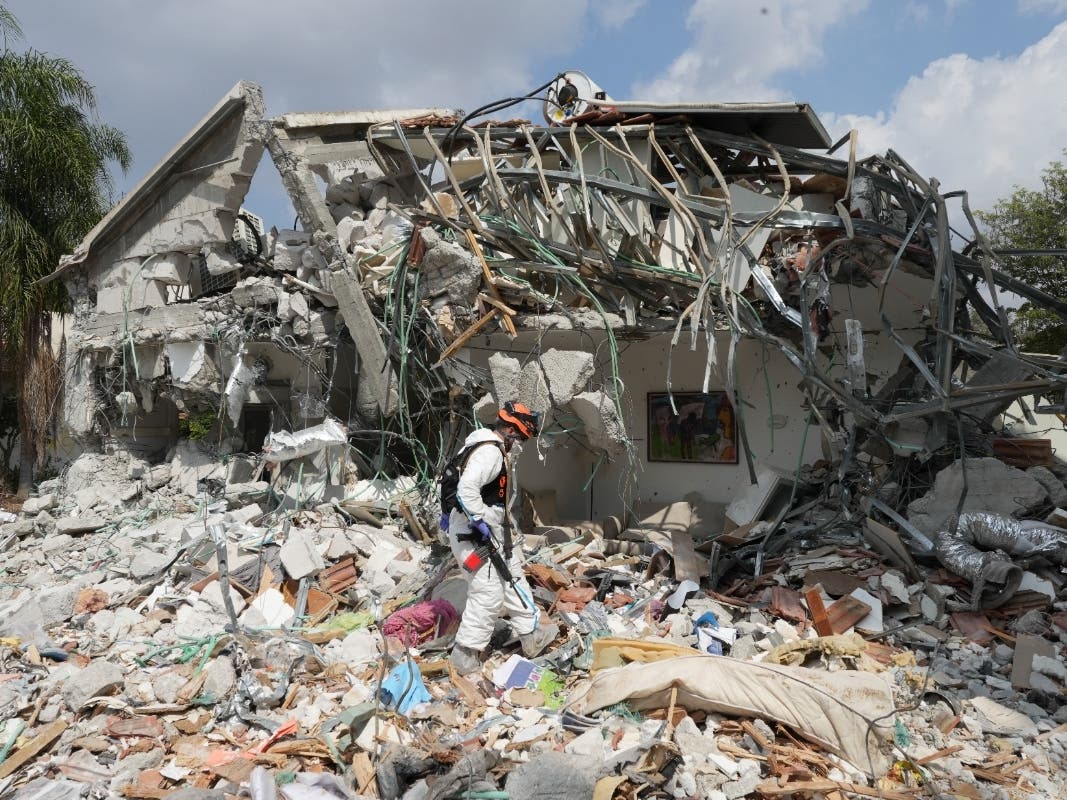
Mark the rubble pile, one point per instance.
(780, 507)
(152, 641)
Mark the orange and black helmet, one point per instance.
(527, 422)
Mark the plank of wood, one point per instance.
(34, 747)
(818, 611)
(476, 248)
(471, 695)
(413, 523)
(944, 751)
(465, 337)
(499, 305)
(823, 785)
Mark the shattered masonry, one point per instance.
(236, 585)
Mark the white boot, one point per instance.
(534, 642)
(465, 660)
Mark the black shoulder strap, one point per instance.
(465, 454)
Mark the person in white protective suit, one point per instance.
(483, 516)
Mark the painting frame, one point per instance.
(704, 431)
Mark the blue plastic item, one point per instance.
(403, 688)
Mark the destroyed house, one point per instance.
(714, 305)
(779, 529)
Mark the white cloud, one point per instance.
(740, 46)
(980, 125)
(1043, 6)
(918, 13)
(614, 14)
(158, 67)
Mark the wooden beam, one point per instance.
(34, 747)
(465, 337)
(476, 248)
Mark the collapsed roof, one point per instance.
(711, 224)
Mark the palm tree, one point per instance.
(54, 186)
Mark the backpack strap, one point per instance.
(467, 452)
(463, 456)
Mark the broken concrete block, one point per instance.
(24, 526)
(191, 465)
(447, 267)
(340, 211)
(284, 311)
(555, 776)
(1052, 667)
(744, 785)
(49, 607)
(505, 373)
(992, 486)
(253, 292)
(35, 505)
(343, 189)
(87, 498)
(352, 229)
(212, 595)
(128, 768)
(218, 260)
(99, 678)
(269, 609)
(245, 514)
(47, 789)
(171, 269)
(192, 793)
(485, 410)
(220, 678)
(157, 477)
(54, 542)
(567, 372)
(289, 250)
(298, 306)
(147, 564)
(299, 555)
(355, 540)
(357, 648)
(240, 494)
(85, 524)
(603, 427)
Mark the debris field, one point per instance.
(783, 508)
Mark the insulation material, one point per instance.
(835, 710)
(981, 546)
(285, 446)
(245, 375)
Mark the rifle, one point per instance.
(487, 551)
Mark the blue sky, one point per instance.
(970, 91)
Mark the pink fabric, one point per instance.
(421, 622)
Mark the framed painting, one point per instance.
(703, 430)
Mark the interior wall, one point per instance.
(567, 465)
(772, 410)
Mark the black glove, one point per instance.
(480, 528)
